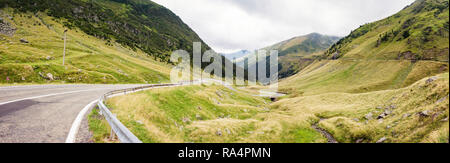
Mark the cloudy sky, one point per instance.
(231, 25)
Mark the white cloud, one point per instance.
(231, 25)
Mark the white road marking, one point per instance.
(55, 94)
(71, 138)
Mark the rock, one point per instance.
(186, 120)
(424, 113)
(381, 116)
(432, 79)
(198, 117)
(219, 93)
(335, 56)
(444, 120)
(380, 121)
(379, 107)
(50, 76)
(218, 132)
(388, 127)
(356, 119)
(199, 107)
(384, 114)
(387, 112)
(222, 115)
(405, 115)
(369, 116)
(382, 140)
(442, 99)
(140, 122)
(228, 131)
(48, 57)
(24, 41)
(359, 140)
(393, 107)
(250, 132)
(245, 110)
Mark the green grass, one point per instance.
(99, 127)
(88, 59)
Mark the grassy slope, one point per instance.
(421, 28)
(367, 76)
(157, 116)
(340, 92)
(344, 113)
(139, 24)
(370, 64)
(88, 59)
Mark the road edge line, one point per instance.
(71, 137)
(48, 95)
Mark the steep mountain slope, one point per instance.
(385, 82)
(139, 24)
(109, 41)
(298, 52)
(419, 32)
(88, 59)
(374, 58)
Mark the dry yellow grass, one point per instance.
(344, 113)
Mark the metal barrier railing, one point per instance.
(123, 133)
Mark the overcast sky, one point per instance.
(232, 25)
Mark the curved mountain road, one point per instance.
(45, 113)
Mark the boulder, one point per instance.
(424, 113)
(198, 117)
(432, 79)
(24, 41)
(369, 116)
(383, 139)
(218, 132)
(406, 115)
(359, 140)
(228, 131)
(393, 106)
(50, 76)
(186, 120)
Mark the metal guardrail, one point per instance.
(123, 134)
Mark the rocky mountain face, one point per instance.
(142, 25)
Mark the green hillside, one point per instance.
(367, 61)
(108, 41)
(385, 82)
(419, 32)
(137, 24)
(298, 52)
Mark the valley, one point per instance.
(385, 82)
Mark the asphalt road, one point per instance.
(45, 113)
